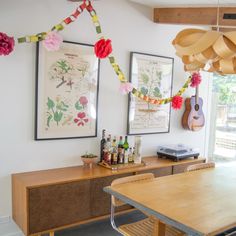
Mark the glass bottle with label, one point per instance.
(107, 151)
(102, 145)
(126, 150)
(130, 156)
(114, 153)
(120, 151)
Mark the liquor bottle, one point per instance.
(120, 151)
(103, 142)
(126, 150)
(133, 156)
(126, 144)
(114, 153)
(130, 157)
(107, 151)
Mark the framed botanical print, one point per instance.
(152, 75)
(67, 84)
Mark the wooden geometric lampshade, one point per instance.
(211, 51)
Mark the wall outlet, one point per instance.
(4, 219)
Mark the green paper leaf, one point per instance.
(98, 29)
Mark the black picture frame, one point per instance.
(82, 74)
(151, 121)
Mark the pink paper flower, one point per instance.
(177, 102)
(126, 87)
(52, 41)
(196, 79)
(6, 44)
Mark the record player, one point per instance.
(176, 152)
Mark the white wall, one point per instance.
(131, 29)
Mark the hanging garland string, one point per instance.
(106, 52)
(121, 75)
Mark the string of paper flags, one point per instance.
(102, 49)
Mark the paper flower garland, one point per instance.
(196, 79)
(52, 41)
(177, 102)
(6, 44)
(103, 48)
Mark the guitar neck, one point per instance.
(197, 95)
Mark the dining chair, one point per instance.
(200, 166)
(149, 226)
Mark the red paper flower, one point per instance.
(177, 102)
(6, 44)
(103, 48)
(196, 79)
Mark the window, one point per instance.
(223, 118)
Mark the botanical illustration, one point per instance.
(69, 95)
(153, 76)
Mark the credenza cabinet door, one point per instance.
(100, 200)
(164, 171)
(58, 205)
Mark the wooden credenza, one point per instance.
(49, 200)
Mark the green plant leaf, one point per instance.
(77, 106)
(64, 66)
(144, 91)
(157, 92)
(49, 120)
(145, 78)
(159, 74)
(64, 104)
(58, 116)
(50, 104)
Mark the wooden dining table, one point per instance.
(200, 202)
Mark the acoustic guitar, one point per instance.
(193, 118)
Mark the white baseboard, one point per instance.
(8, 227)
(4, 219)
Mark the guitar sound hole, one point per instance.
(196, 107)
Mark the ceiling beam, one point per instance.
(196, 16)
